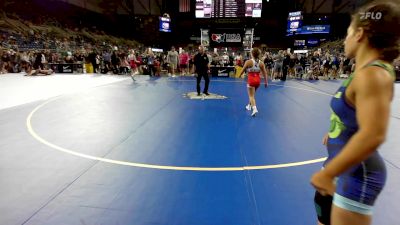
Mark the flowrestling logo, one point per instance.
(371, 15)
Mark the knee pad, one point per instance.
(323, 206)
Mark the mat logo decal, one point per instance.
(194, 96)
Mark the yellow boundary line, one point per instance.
(161, 167)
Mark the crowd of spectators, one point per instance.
(282, 64)
(39, 53)
(35, 52)
(313, 65)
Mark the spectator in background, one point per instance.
(115, 62)
(173, 59)
(335, 66)
(191, 62)
(55, 57)
(25, 62)
(239, 59)
(69, 58)
(285, 65)
(133, 62)
(38, 67)
(315, 66)
(183, 62)
(5, 59)
(225, 59)
(157, 64)
(396, 64)
(92, 59)
(38, 63)
(268, 62)
(79, 56)
(278, 64)
(107, 62)
(124, 66)
(151, 70)
(326, 64)
(292, 62)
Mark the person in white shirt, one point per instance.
(173, 59)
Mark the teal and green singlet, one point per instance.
(362, 183)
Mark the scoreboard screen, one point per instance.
(295, 21)
(165, 24)
(228, 8)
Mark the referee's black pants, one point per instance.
(206, 79)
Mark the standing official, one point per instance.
(201, 67)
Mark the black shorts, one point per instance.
(323, 206)
(347, 69)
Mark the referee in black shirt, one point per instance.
(201, 67)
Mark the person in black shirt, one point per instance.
(292, 62)
(285, 66)
(92, 59)
(346, 66)
(201, 67)
(38, 67)
(303, 63)
(268, 62)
